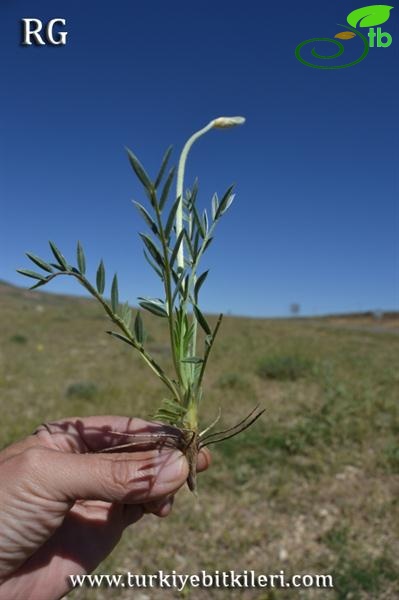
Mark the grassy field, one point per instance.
(313, 487)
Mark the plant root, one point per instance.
(235, 430)
(189, 442)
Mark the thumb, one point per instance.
(130, 478)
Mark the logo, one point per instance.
(367, 17)
(33, 32)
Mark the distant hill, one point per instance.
(387, 320)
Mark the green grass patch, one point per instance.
(17, 338)
(390, 457)
(336, 539)
(352, 578)
(284, 367)
(265, 446)
(232, 381)
(86, 390)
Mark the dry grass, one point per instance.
(313, 487)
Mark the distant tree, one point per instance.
(295, 309)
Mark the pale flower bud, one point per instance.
(223, 122)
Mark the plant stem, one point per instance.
(179, 219)
(192, 281)
(168, 289)
(180, 185)
(208, 350)
(192, 407)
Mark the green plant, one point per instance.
(82, 389)
(390, 456)
(177, 239)
(284, 367)
(17, 338)
(233, 381)
(354, 576)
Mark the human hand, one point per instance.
(64, 507)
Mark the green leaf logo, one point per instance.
(368, 16)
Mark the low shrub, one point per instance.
(18, 339)
(82, 389)
(284, 367)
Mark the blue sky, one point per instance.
(315, 219)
